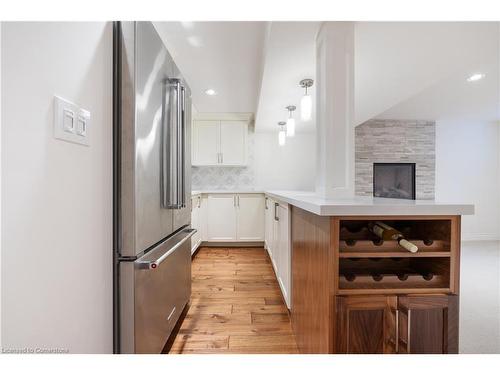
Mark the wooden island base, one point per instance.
(353, 294)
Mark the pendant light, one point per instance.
(282, 134)
(290, 123)
(306, 101)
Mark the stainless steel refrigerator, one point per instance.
(152, 181)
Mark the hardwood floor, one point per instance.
(236, 305)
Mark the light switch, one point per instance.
(81, 126)
(71, 123)
(68, 121)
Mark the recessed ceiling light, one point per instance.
(475, 77)
(210, 92)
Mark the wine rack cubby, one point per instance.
(367, 264)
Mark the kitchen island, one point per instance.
(352, 293)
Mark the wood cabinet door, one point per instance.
(206, 139)
(233, 142)
(221, 217)
(366, 324)
(250, 217)
(428, 324)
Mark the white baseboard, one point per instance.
(480, 237)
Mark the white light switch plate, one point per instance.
(71, 123)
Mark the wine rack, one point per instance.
(368, 265)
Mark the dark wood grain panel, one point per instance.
(366, 324)
(312, 281)
(429, 324)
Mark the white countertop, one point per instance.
(309, 201)
(368, 205)
(240, 191)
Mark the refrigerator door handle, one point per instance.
(170, 148)
(182, 149)
(155, 257)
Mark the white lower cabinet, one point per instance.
(196, 222)
(269, 223)
(221, 217)
(278, 244)
(234, 217)
(250, 215)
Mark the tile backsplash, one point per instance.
(226, 178)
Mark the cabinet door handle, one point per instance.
(405, 310)
(397, 331)
(234, 200)
(199, 201)
(408, 330)
(222, 158)
(265, 203)
(238, 197)
(276, 218)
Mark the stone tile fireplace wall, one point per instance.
(396, 141)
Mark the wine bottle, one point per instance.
(428, 242)
(387, 232)
(377, 276)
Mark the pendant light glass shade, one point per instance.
(306, 101)
(306, 107)
(290, 127)
(282, 138)
(282, 133)
(290, 123)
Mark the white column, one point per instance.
(335, 110)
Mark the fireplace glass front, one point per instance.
(394, 180)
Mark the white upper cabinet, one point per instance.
(233, 142)
(250, 217)
(220, 142)
(206, 143)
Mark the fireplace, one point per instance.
(394, 180)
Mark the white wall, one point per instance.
(57, 196)
(291, 167)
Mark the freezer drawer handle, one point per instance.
(151, 264)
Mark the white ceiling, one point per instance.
(224, 56)
(256, 66)
(395, 61)
(289, 58)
